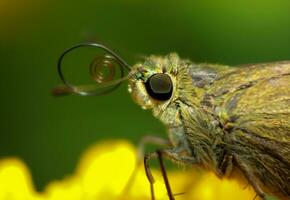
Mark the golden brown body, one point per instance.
(222, 118)
(225, 118)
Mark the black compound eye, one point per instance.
(159, 86)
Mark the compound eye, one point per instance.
(159, 86)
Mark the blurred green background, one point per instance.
(51, 133)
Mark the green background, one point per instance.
(51, 133)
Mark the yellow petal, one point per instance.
(103, 173)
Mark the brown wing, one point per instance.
(256, 98)
(253, 104)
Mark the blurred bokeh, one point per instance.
(51, 133)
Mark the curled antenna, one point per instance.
(103, 84)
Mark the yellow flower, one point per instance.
(103, 174)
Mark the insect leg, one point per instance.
(175, 155)
(147, 157)
(226, 166)
(150, 139)
(147, 139)
(172, 154)
(150, 178)
(164, 175)
(250, 176)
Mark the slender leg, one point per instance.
(255, 197)
(164, 175)
(250, 176)
(150, 178)
(226, 166)
(148, 139)
(175, 155)
(172, 154)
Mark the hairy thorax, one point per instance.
(193, 132)
(169, 114)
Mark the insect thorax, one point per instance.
(190, 126)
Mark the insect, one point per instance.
(222, 118)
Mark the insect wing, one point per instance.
(253, 104)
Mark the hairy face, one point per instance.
(153, 82)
